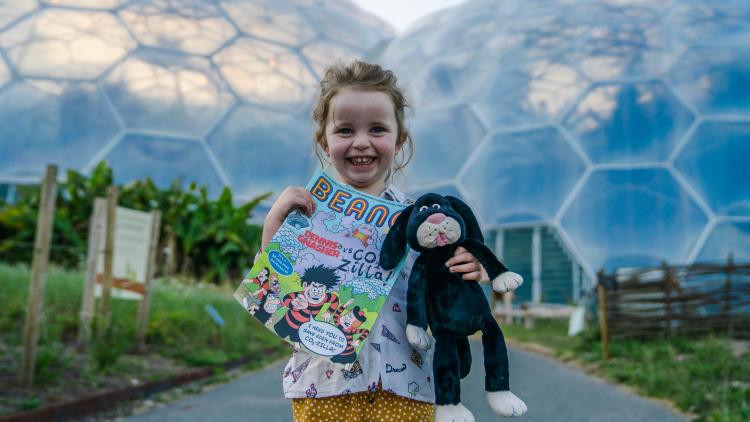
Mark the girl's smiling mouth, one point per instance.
(361, 161)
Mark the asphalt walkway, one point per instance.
(552, 391)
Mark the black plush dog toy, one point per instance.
(454, 308)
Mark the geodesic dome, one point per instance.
(620, 126)
(212, 91)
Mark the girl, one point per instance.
(361, 131)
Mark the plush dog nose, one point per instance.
(436, 218)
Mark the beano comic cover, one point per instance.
(319, 284)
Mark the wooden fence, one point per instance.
(675, 300)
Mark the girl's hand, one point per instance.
(465, 262)
(292, 198)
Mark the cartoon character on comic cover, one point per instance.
(306, 305)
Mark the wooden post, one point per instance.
(604, 335)
(150, 272)
(35, 300)
(728, 294)
(88, 301)
(105, 311)
(668, 281)
(508, 306)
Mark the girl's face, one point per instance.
(361, 137)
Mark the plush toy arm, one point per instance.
(416, 295)
(489, 261)
(502, 279)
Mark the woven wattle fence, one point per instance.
(675, 300)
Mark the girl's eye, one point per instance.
(422, 208)
(436, 206)
(344, 131)
(378, 129)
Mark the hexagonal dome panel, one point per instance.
(140, 156)
(715, 162)
(522, 176)
(344, 23)
(192, 26)
(168, 92)
(87, 4)
(444, 189)
(13, 10)
(66, 43)
(436, 157)
(624, 40)
(708, 20)
(528, 92)
(633, 218)
(715, 79)
(168, 69)
(263, 150)
(626, 79)
(5, 74)
(629, 123)
(267, 73)
(321, 53)
(271, 21)
(450, 79)
(728, 237)
(40, 123)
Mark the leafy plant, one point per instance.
(206, 238)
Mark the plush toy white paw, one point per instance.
(417, 337)
(506, 282)
(505, 403)
(453, 413)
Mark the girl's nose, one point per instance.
(436, 218)
(361, 142)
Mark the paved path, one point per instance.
(552, 391)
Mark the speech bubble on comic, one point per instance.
(321, 338)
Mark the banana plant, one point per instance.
(209, 238)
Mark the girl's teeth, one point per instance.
(362, 160)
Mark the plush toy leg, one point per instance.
(464, 357)
(505, 403)
(495, 357)
(445, 368)
(453, 413)
(497, 384)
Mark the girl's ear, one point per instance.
(394, 246)
(472, 226)
(320, 138)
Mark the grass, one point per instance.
(701, 376)
(179, 334)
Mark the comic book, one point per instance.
(318, 284)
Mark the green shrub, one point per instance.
(51, 361)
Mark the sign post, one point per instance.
(88, 302)
(105, 313)
(39, 263)
(150, 272)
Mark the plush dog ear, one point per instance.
(394, 246)
(472, 226)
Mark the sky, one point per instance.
(402, 13)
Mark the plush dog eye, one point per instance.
(422, 208)
(436, 206)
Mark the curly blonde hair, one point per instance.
(360, 74)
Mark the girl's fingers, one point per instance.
(299, 198)
(465, 268)
(310, 202)
(473, 276)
